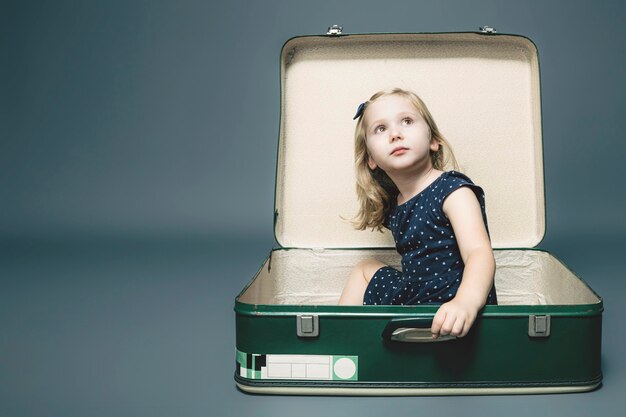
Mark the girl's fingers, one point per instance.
(468, 325)
(438, 321)
(451, 320)
(448, 323)
(457, 328)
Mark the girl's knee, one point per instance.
(368, 268)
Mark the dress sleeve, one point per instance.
(457, 180)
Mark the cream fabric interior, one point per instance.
(483, 92)
(317, 277)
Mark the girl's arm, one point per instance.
(457, 316)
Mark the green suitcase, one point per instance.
(483, 89)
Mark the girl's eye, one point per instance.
(379, 129)
(407, 120)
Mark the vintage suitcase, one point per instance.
(483, 90)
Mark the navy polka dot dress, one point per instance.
(432, 266)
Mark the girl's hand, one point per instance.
(454, 318)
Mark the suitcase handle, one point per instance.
(412, 330)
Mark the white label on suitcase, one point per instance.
(303, 367)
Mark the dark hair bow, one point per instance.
(360, 110)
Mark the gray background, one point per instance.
(137, 160)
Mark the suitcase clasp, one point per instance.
(308, 325)
(539, 326)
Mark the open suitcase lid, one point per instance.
(483, 91)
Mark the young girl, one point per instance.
(437, 218)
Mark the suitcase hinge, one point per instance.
(334, 30)
(487, 30)
(539, 326)
(308, 325)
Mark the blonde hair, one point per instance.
(374, 188)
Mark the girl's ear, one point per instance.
(371, 163)
(434, 145)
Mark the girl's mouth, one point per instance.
(399, 151)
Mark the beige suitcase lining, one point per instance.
(483, 92)
(317, 277)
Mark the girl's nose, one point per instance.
(395, 133)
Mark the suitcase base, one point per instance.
(389, 389)
(521, 346)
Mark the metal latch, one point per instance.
(539, 326)
(487, 29)
(308, 325)
(334, 30)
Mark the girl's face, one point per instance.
(397, 136)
